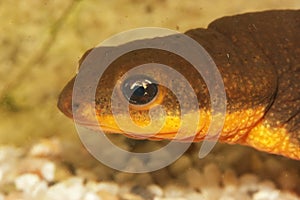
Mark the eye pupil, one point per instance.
(139, 90)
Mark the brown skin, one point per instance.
(258, 56)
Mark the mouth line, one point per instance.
(98, 126)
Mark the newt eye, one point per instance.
(139, 89)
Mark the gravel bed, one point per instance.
(54, 170)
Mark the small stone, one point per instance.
(26, 182)
(156, 163)
(195, 178)
(130, 196)
(71, 188)
(266, 185)
(211, 193)
(194, 196)
(172, 198)
(248, 183)
(48, 170)
(123, 177)
(86, 174)
(161, 176)
(289, 180)
(126, 188)
(109, 187)
(212, 175)
(172, 191)
(46, 148)
(31, 184)
(134, 165)
(142, 191)
(106, 195)
(91, 196)
(257, 164)
(156, 190)
(288, 196)
(40, 166)
(273, 167)
(266, 195)
(229, 178)
(14, 196)
(143, 179)
(61, 173)
(181, 165)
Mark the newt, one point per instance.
(258, 56)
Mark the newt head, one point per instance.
(140, 93)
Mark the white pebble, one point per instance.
(173, 191)
(266, 195)
(156, 190)
(48, 171)
(46, 147)
(91, 196)
(194, 196)
(211, 193)
(26, 182)
(71, 189)
(110, 187)
(230, 178)
(248, 183)
(31, 185)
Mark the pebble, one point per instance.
(31, 184)
(229, 178)
(48, 170)
(266, 195)
(143, 179)
(91, 196)
(181, 165)
(109, 187)
(32, 176)
(70, 189)
(289, 180)
(106, 195)
(173, 191)
(212, 193)
(123, 177)
(156, 190)
(46, 148)
(212, 175)
(195, 178)
(129, 196)
(248, 183)
(194, 196)
(273, 167)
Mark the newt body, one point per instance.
(258, 56)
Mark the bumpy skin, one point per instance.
(258, 56)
